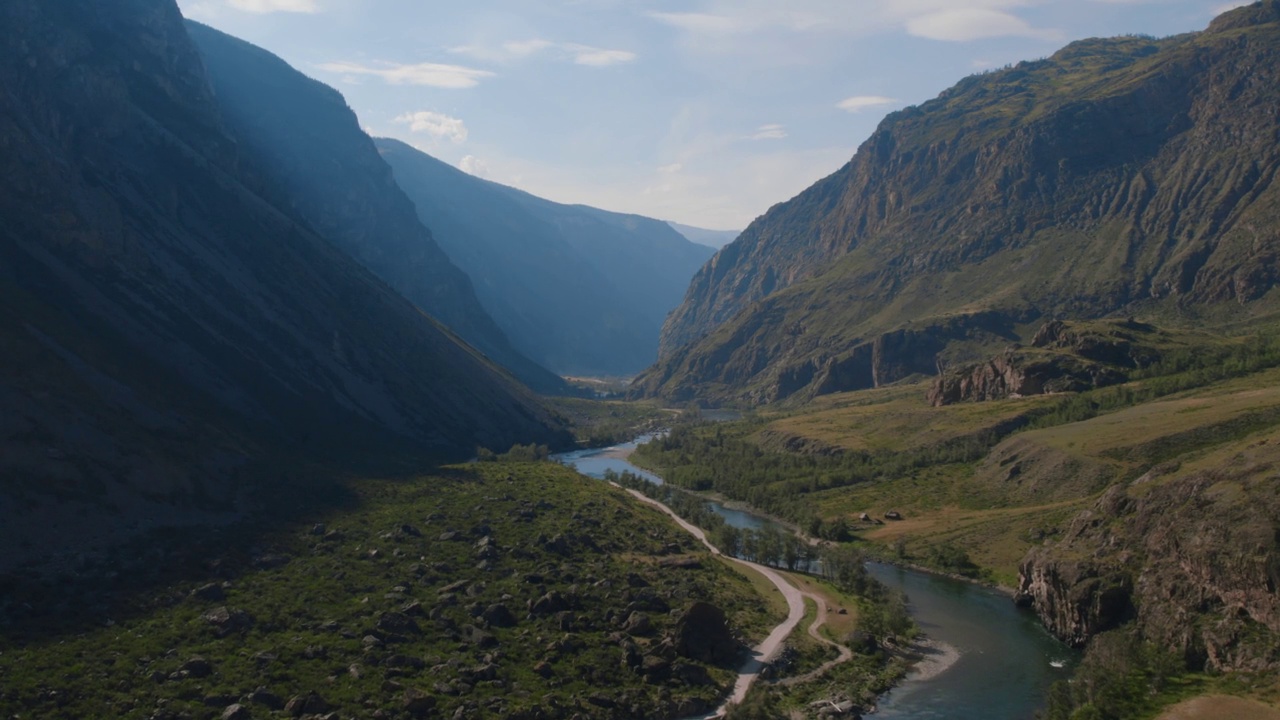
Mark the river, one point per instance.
(1007, 661)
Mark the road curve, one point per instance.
(767, 650)
(845, 653)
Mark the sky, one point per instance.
(706, 112)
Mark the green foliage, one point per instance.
(517, 453)
(1121, 677)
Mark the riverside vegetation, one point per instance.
(1107, 508)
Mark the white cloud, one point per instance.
(736, 25)
(965, 24)
(270, 6)
(858, 103)
(770, 132)
(437, 125)
(671, 169)
(598, 57)
(473, 165)
(705, 22)
(432, 74)
(523, 49)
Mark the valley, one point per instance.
(311, 408)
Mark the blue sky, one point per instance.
(706, 112)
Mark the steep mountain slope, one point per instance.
(331, 175)
(582, 291)
(711, 238)
(1123, 175)
(166, 328)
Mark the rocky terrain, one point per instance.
(1062, 358)
(173, 331)
(1190, 554)
(515, 590)
(1130, 175)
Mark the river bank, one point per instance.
(981, 658)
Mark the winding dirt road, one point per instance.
(767, 650)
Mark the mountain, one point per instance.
(172, 329)
(331, 175)
(1121, 176)
(711, 238)
(582, 291)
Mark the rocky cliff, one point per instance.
(168, 324)
(310, 145)
(1063, 357)
(1192, 556)
(1118, 175)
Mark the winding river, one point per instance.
(1006, 663)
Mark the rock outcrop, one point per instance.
(1192, 558)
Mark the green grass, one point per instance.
(553, 530)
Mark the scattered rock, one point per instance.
(197, 667)
(236, 712)
(417, 702)
(499, 615)
(893, 515)
(227, 620)
(300, 705)
(266, 698)
(398, 623)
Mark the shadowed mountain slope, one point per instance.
(1129, 175)
(329, 170)
(167, 320)
(582, 291)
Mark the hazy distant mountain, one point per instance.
(711, 238)
(1117, 176)
(332, 176)
(580, 290)
(168, 322)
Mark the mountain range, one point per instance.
(1119, 176)
(313, 149)
(711, 238)
(172, 317)
(580, 290)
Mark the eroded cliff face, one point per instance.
(1063, 357)
(1117, 175)
(1192, 557)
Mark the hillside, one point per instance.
(711, 238)
(1137, 517)
(580, 290)
(309, 145)
(1129, 175)
(410, 603)
(168, 330)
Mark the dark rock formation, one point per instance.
(702, 633)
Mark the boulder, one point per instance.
(701, 633)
